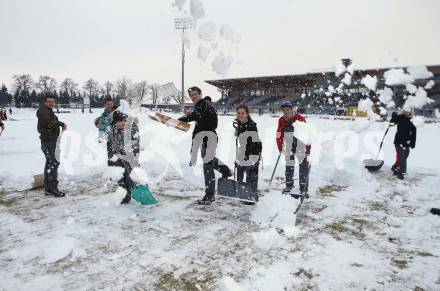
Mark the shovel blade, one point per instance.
(373, 165)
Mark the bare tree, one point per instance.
(46, 85)
(154, 93)
(124, 88)
(91, 87)
(140, 90)
(107, 89)
(69, 87)
(22, 83)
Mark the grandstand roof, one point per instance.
(285, 80)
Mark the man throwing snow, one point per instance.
(291, 146)
(205, 136)
(49, 129)
(404, 139)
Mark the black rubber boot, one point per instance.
(206, 200)
(126, 199)
(56, 192)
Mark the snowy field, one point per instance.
(358, 231)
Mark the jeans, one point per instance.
(51, 165)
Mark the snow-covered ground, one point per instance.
(357, 231)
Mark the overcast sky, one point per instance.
(108, 39)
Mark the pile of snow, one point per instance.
(203, 52)
(394, 77)
(207, 31)
(370, 82)
(268, 239)
(419, 72)
(227, 33)
(221, 64)
(275, 211)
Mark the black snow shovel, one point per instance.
(374, 165)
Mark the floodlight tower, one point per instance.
(183, 24)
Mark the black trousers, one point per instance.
(208, 169)
(125, 182)
(251, 175)
(402, 154)
(51, 165)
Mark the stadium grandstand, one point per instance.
(309, 91)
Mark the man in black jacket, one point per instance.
(49, 129)
(204, 132)
(404, 140)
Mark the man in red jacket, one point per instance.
(286, 141)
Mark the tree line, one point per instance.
(27, 92)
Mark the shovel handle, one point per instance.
(274, 169)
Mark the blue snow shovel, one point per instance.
(142, 195)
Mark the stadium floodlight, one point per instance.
(183, 24)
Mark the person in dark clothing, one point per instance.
(10, 111)
(205, 117)
(248, 149)
(49, 129)
(286, 125)
(124, 152)
(2, 126)
(104, 124)
(404, 139)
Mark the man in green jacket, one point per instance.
(49, 129)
